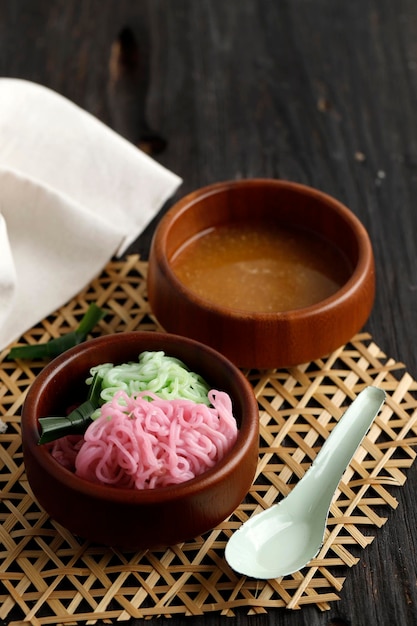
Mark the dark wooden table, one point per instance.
(323, 92)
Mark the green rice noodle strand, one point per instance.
(165, 376)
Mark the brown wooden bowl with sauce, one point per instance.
(138, 518)
(268, 272)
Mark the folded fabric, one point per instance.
(73, 194)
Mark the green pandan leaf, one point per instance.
(76, 422)
(54, 347)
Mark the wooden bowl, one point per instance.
(258, 339)
(129, 518)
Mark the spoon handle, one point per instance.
(339, 448)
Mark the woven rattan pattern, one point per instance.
(48, 576)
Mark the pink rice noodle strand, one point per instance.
(136, 443)
(65, 450)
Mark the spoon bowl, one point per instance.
(284, 538)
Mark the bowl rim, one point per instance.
(356, 278)
(229, 463)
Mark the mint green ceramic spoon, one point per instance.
(285, 537)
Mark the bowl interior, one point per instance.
(62, 384)
(290, 206)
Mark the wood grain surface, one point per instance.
(322, 92)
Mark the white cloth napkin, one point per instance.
(73, 194)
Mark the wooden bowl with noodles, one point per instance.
(270, 273)
(138, 518)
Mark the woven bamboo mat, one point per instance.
(48, 576)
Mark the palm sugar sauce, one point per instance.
(261, 267)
